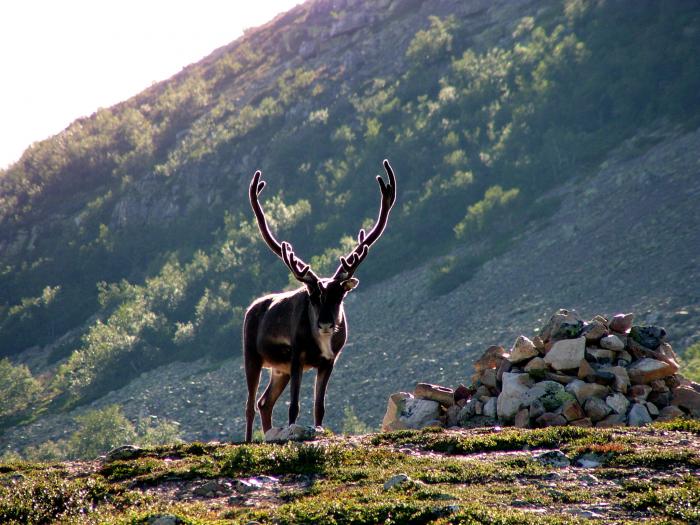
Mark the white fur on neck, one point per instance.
(323, 340)
(324, 343)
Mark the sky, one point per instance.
(64, 59)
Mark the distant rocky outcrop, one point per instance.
(604, 372)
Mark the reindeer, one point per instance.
(290, 332)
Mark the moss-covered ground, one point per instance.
(473, 476)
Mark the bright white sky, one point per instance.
(63, 59)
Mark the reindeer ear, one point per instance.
(349, 284)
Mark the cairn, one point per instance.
(605, 372)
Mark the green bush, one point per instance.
(99, 431)
(432, 44)
(691, 362)
(352, 424)
(19, 388)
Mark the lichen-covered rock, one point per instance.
(566, 354)
(124, 452)
(541, 390)
(396, 481)
(649, 336)
(553, 458)
(536, 409)
(564, 324)
(164, 519)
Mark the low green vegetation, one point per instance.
(438, 440)
(98, 431)
(352, 424)
(691, 362)
(339, 480)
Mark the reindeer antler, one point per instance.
(350, 262)
(301, 271)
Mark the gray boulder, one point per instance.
(406, 412)
(639, 415)
(523, 349)
(515, 386)
(584, 391)
(566, 354)
(292, 433)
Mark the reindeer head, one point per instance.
(326, 295)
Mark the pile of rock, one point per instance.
(603, 373)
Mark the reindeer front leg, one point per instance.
(322, 376)
(295, 372)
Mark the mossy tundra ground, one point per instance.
(471, 476)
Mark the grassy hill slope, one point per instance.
(479, 476)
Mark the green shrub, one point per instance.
(352, 424)
(19, 388)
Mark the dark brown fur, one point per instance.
(265, 331)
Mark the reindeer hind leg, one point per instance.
(253, 366)
(277, 384)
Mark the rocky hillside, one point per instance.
(542, 162)
(566, 258)
(549, 476)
